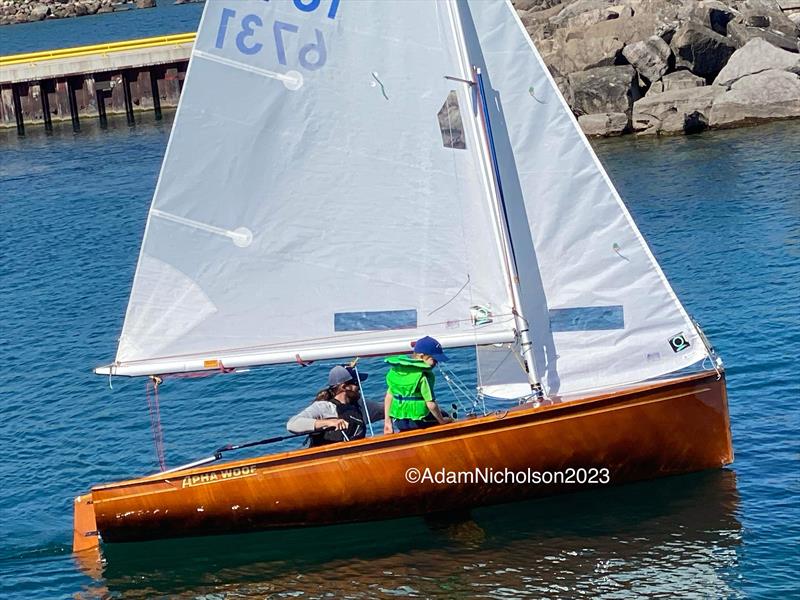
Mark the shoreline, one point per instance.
(642, 67)
(17, 12)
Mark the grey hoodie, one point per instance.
(304, 420)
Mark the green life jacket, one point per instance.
(410, 381)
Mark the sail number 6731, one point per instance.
(311, 56)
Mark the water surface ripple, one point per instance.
(722, 214)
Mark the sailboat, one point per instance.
(344, 178)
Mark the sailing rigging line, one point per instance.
(459, 387)
(155, 419)
(466, 283)
(363, 398)
(711, 354)
(453, 391)
(230, 447)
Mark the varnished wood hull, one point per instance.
(649, 431)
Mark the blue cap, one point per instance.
(431, 347)
(340, 374)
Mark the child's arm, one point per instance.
(436, 412)
(387, 420)
(426, 389)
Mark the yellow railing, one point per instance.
(151, 42)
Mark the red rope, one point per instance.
(155, 422)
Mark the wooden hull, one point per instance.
(640, 433)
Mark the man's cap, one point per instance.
(431, 347)
(340, 374)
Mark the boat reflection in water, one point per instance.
(675, 536)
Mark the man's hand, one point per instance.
(337, 424)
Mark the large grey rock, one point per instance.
(525, 5)
(700, 50)
(639, 27)
(677, 80)
(39, 12)
(604, 125)
(740, 34)
(537, 23)
(715, 15)
(605, 13)
(580, 54)
(675, 111)
(765, 14)
(580, 13)
(650, 58)
(563, 85)
(754, 57)
(145, 3)
(604, 90)
(762, 96)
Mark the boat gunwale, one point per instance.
(414, 437)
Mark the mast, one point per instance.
(494, 186)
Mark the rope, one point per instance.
(363, 399)
(454, 392)
(155, 420)
(458, 386)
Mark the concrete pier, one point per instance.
(93, 81)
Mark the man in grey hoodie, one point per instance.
(337, 413)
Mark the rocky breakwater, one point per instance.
(670, 66)
(25, 11)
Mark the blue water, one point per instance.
(164, 19)
(722, 214)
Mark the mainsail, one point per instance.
(327, 191)
(600, 310)
(315, 200)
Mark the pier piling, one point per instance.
(73, 106)
(126, 90)
(156, 94)
(101, 90)
(18, 109)
(47, 117)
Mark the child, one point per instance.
(410, 401)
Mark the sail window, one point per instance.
(375, 320)
(587, 318)
(450, 123)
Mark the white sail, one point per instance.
(314, 200)
(600, 310)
